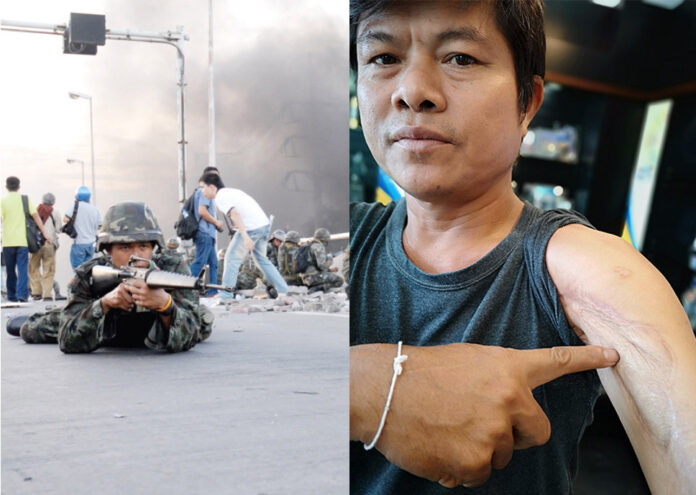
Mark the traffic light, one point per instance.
(84, 33)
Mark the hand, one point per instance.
(248, 243)
(120, 298)
(218, 225)
(146, 297)
(458, 410)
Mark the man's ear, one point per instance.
(534, 104)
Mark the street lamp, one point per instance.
(75, 96)
(75, 160)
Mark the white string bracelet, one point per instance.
(397, 371)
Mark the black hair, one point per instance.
(211, 169)
(212, 178)
(12, 183)
(521, 23)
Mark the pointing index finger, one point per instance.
(545, 365)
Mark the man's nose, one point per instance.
(420, 87)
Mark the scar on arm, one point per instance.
(623, 272)
(645, 370)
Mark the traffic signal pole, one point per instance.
(173, 38)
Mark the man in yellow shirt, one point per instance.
(14, 240)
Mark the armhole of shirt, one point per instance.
(535, 242)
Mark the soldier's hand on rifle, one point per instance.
(120, 298)
(146, 297)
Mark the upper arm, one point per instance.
(614, 297)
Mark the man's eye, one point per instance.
(384, 59)
(462, 59)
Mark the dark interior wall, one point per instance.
(638, 46)
(672, 223)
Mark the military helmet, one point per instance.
(82, 193)
(322, 235)
(129, 222)
(278, 234)
(292, 236)
(173, 243)
(48, 199)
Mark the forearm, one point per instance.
(205, 215)
(370, 372)
(239, 223)
(178, 331)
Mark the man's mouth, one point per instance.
(419, 139)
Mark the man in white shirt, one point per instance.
(253, 228)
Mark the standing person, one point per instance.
(492, 298)
(252, 231)
(204, 209)
(87, 222)
(42, 265)
(14, 240)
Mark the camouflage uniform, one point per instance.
(81, 326)
(286, 254)
(248, 273)
(272, 253)
(317, 272)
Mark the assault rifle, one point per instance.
(105, 278)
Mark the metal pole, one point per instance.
(174, 38)
(91, 140)
(182, 127)
(212, 158)
(83, 172)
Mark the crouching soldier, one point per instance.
(132, 314)
(316, 271)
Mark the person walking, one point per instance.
(42, 265)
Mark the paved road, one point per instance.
(259, 408)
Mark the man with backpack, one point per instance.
(314, 266)
(204, 238)
(15, 249)
(42, 265)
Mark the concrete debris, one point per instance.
(335, 301)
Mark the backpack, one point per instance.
(302, 258)
(187, 224)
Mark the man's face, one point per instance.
(277, 242)
(121, 253)
(208, 190)
(438, 98)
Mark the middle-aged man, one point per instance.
(253, 227)
(86, 221)
(42, 265)
(14, 240)
(446, 91)
(131, 314)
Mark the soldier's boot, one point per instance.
(15, 323)
(315, 288)
(207, 319)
